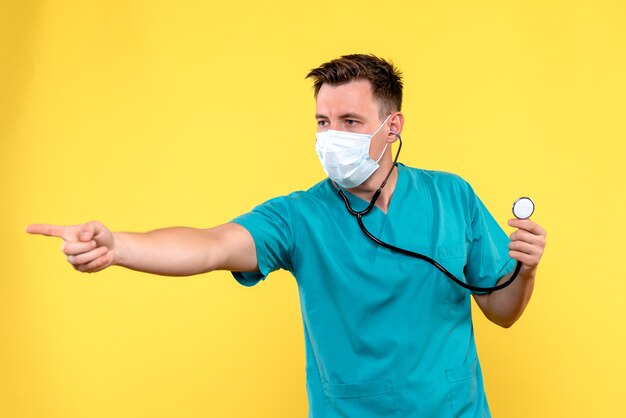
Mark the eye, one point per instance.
(322, 123)
(352, 124)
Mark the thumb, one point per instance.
(87, 231)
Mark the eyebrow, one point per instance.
(343, 116)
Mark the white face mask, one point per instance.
(345, 156)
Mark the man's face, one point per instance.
(351, 107)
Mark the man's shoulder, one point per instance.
(317, 192)
(437, 179)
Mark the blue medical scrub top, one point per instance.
(386, 335)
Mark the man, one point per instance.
(386, 334)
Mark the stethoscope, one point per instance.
(523, 208)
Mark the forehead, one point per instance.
(352, 97)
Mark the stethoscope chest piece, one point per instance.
(523, 208)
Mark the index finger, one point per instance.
(527, 225)
(46, 229)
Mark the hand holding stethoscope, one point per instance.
(529, 240)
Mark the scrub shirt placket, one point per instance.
(377, 221)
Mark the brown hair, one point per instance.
(384, 77)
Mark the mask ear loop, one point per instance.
(395, 162)
(387, 144)
(381, 125)
(382, 153)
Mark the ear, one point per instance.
(396, 122)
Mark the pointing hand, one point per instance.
(89, 247)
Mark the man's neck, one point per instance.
(366, 190)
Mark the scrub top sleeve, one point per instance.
(488, 259)
(269, 225)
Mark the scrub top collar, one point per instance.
(359, 204)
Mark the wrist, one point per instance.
(528, 272)
(119, 245)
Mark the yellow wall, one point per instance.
(144, 114)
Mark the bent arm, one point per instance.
(183, 251)
(504, 307)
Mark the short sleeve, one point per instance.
(488, 259)
(269, 225)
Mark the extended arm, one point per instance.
(178, 251)
(505, 306)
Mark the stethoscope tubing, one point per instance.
(359, 217)
(437, 265)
